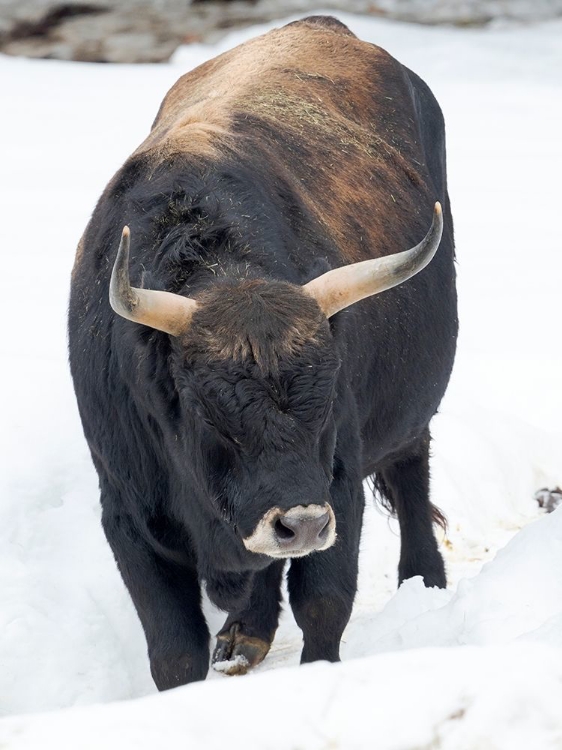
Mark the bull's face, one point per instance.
(255, 369)
(256, 377)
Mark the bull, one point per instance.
(263, 340)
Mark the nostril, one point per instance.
(282, 531)
(323, 533)
(302, 530)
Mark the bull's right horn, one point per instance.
(343, 286)
(163, 311)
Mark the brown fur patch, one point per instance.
(204, 100)
(325, 22)
(328, 112)
(254, 320)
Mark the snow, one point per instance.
(230, 666)
(379, 701)
(476, 666)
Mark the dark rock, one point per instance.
(549, 499)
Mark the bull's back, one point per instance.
(325, 112)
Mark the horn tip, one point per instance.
(438, 209)
(126, 231)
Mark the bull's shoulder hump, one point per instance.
(204, 101)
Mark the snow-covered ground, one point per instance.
(478, 666)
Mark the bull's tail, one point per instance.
(382, 494)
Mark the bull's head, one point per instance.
(255, 368)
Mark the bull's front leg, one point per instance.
(322, 586)
(167, 599)
(246, 637)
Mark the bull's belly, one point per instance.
(394, 424)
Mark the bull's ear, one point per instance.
(163, 311)
(343, 286)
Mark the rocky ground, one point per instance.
(140, 31)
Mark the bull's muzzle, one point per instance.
(293, 533)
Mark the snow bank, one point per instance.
(517, 596)
(477, 666)
(385, 702)
(478, 696)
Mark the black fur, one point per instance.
(263, 403)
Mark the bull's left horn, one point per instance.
(163, 311)
(343, 286)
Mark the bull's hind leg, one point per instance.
(405, 485)
(247, 635)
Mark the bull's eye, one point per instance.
(213, 432)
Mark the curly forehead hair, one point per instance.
(256, 321)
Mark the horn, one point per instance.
(343, 286)
(163, 311)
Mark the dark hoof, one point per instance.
(236, 653)
(432, 570)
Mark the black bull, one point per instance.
(233, 422)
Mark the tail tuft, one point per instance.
(383, 496)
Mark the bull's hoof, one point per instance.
(236, 653)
